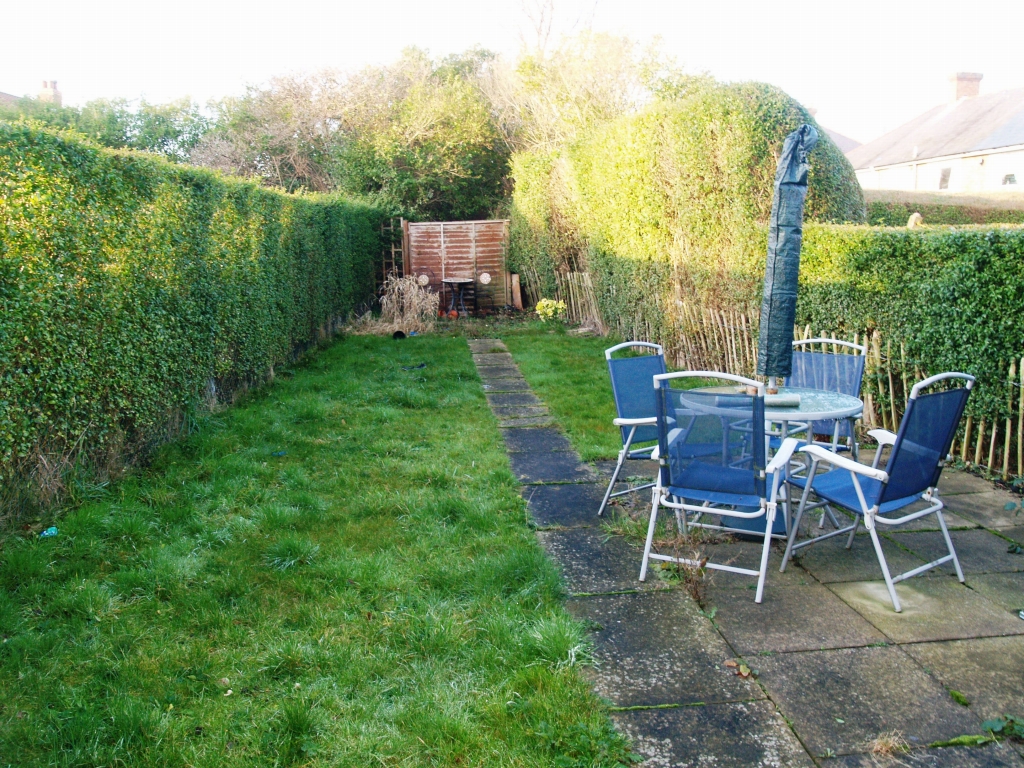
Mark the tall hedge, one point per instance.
(669, 204)
(128, 283)
(953, 297)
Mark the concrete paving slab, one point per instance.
(746, 553)
(988, 671)
(505, 385)
(1017, 533)
(933, 609)
(492, 372)
(789, 619)
(536, 440)
(519, 411)
(987, 509)
(954, 482)
(484, 346)
(928, 522)
(745, 735)
(550, 467)
(527, 421)
(1004, 589)
(632, 468)
(656, 648)
(978, 550)
(513, 398)
(493, 358)
(988, 756)
(570, 505)
(831, 562)
(592, 563)
(841, 700)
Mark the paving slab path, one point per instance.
(835, 667)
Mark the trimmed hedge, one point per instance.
(955, 298)
(896, 214)
(128, 283)
(669, 204)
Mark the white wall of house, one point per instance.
(978, 172)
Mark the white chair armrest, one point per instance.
(883, 437)
(635, 422)
(656, 453)
(782, 456)
(842, 462)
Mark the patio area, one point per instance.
(834, 670)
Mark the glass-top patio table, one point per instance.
(815, 405)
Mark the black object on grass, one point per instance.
(413, 367)
(397, 335)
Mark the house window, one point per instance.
(1010, 178)
(944, 178)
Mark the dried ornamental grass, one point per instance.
(405, 306)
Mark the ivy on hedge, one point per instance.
(954, 297)
(670, 204)
(127, 283)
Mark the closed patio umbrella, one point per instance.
(785, 234)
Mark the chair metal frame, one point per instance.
(632, 424)
(870, 512)
(661, 496)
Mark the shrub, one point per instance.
(133, 290)
(669, 204)
(952, 297)
(549, 309)
(895, 213)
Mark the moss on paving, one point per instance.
(338, 571)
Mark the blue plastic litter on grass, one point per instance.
(49, 532)
(279, 453)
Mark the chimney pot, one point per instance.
(966, 85)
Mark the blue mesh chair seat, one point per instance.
(632, 388)
(876, 496)
(711, 456)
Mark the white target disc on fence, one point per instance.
(485, 278)
(423, 280)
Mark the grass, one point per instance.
(339, 571)
(569, 373)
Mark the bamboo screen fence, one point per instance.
(724, 340)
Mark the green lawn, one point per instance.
(339, 571)
(569, 373)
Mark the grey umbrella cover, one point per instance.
(785, 235)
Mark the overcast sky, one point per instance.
(866, 66)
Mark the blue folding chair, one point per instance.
(711, 457)
(634, 402)
(834, 372)
(916, 459)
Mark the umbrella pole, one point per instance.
(773, 385)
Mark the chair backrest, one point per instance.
(835, 372)
(926, 434)
(631, 386)
(711, 438)
(830, 371)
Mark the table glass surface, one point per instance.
(815, 404)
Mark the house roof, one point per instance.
(845, 143)
(968, 125)
(6, 98)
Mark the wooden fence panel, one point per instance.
(468, 249)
